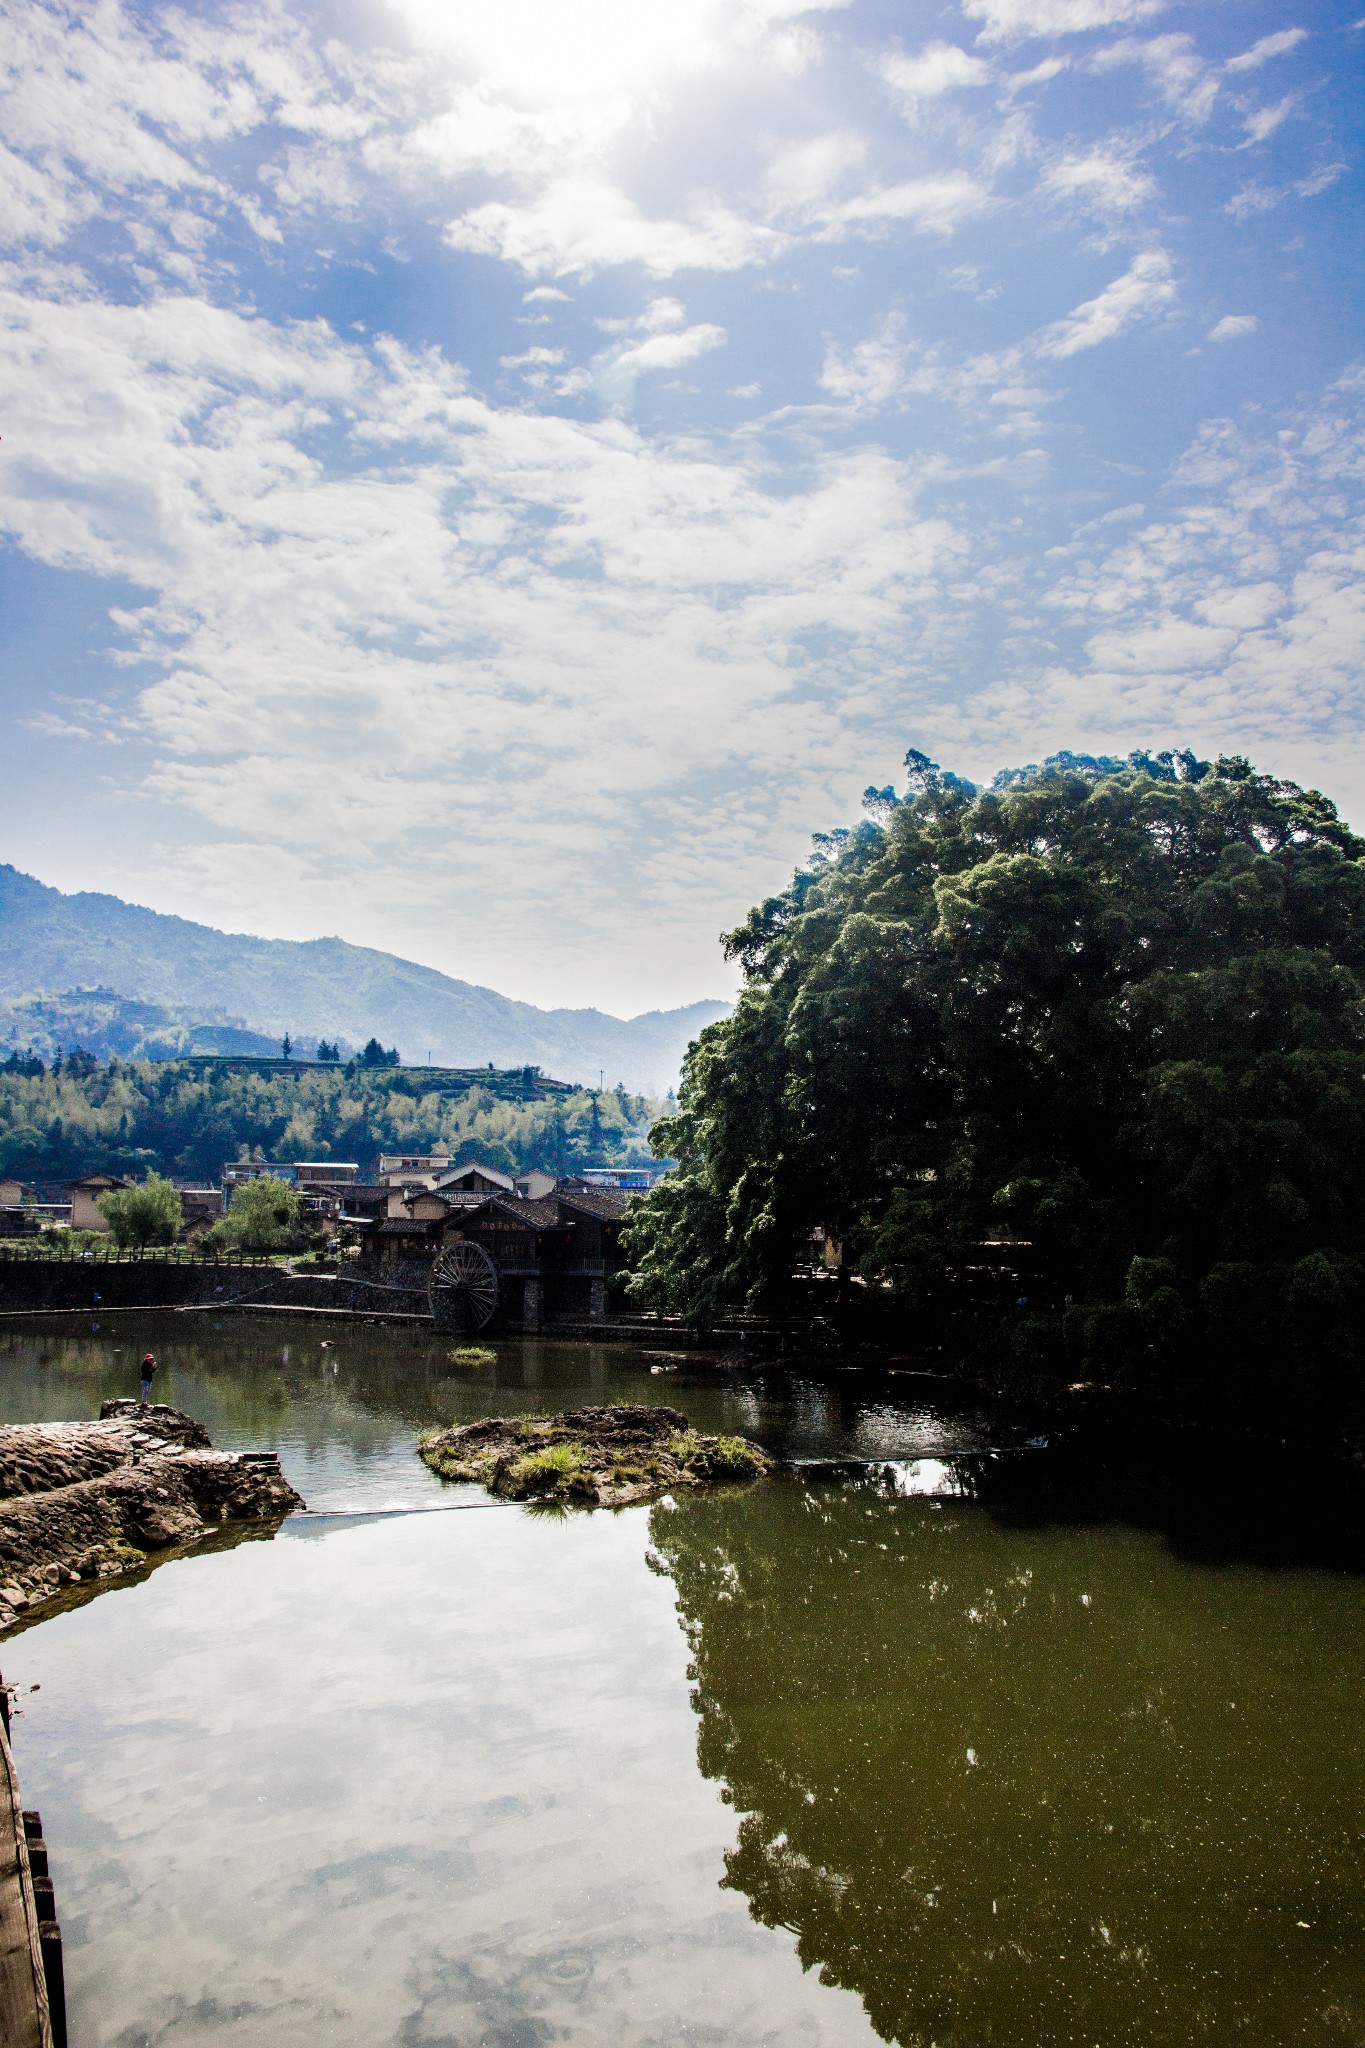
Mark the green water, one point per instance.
(951, 1755)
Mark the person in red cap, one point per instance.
(148, 1375)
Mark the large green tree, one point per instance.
(262, 1216)
(148, 1214)
(1112, 1011)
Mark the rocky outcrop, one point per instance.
(604, 1457)
(88, 1500)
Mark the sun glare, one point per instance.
(543, 52)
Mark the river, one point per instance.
(964, 1753)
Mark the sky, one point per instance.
(491, 478)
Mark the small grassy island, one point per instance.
(604, 1457)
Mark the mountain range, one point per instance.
(116, 978)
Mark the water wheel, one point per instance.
(463, 1290)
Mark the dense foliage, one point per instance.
(146, 1214)
(189, 1117)
(1110, 1011)
(263, 1216)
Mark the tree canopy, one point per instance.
(144, 1215)
(189, 1117)
(1108, 1012)
(262, 1216)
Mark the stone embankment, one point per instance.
(88, 1500)
(604, 1457)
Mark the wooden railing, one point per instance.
(24, 1250)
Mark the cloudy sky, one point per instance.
(491, 477)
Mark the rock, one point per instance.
(605, 1457)
(89, 1500)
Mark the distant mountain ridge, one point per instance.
(116, 967)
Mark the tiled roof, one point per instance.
(607, 1204)
(538, 1215)
(489, 1173)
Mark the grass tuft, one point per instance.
(558, 1469)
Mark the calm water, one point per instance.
(966, 1753)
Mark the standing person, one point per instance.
(148, 1375)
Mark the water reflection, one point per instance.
(1026, 1785)
(343, 1405)
(1019, 1748)
(422, 1782)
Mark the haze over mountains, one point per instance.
(115, 978)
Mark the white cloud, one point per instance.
(668, 351)
(373, 593)
(1099, 180)
(937, 69)
(659, 313)
(100, 110)
(1145, 290)
(1233, 325)
(1009, 21)
(1277, 45)
(1261, 123)
(801, 177)
(932, 206)
(667, 345)
(1235, 621)
(1185, 81)
(580, 225)
(870, 374)
(1037, 74)
(362, 661)
(1260, 198)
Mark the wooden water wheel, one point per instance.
(463, 1290)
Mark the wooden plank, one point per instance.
(24, 2020)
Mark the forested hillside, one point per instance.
(164, 985)
(183, 1118)
(1110, 1013)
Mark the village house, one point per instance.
(18, 1214)
(363, 1202)
(636, 1178)
(554, 1255)
(85, 1193)
(200, 1209)
(473, 1183)
(398, 1167)
(238, 1170)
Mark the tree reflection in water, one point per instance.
(1021, 1786)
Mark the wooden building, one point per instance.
(554, 1256)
